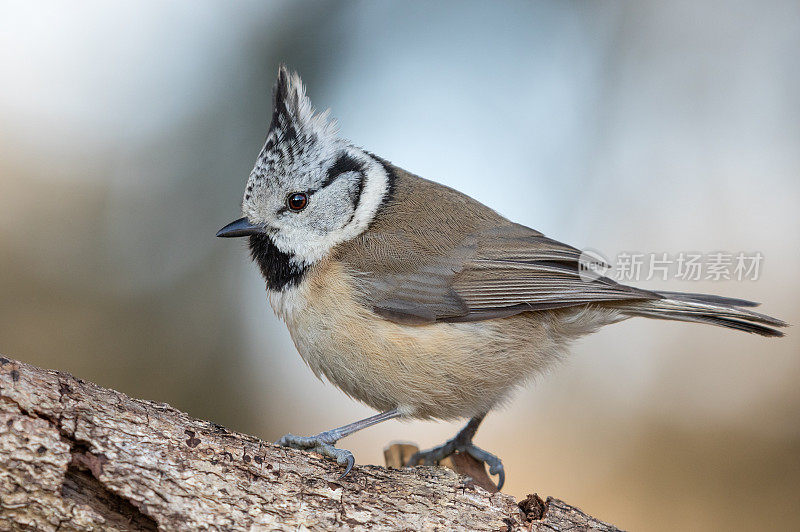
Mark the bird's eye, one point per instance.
(297, 201)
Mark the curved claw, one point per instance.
(494, 463)
(500, 471)
(320, 444)
(347, 461)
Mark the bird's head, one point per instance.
(309, 189)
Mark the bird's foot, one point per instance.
(435, 455)
(322, 444)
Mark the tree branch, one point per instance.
(77, 456)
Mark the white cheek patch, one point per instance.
(376, 185)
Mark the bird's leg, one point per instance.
(462, 442)
(323, 442)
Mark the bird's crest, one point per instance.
(295, 125)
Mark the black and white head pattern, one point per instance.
(303, 154)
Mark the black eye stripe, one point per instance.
(343, 164)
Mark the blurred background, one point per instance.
(127, 132)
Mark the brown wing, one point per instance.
(495, 273)
(516, 269)
(454, 259)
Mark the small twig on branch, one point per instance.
(77, 456)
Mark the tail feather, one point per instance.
(703, 308)
(709, 298)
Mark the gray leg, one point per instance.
(463, 442)
(323, 442)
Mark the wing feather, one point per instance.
(499, 272)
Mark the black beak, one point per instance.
(240, 227)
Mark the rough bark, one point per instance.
(75, 456)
